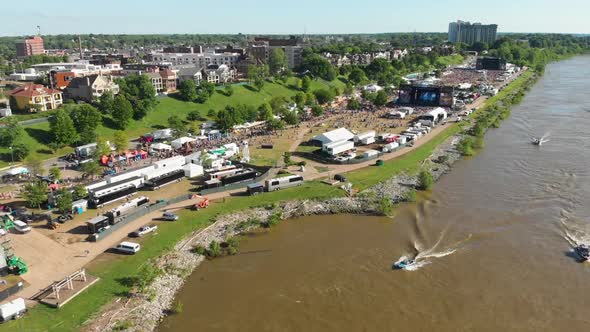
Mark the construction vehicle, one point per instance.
(16, 265)
(202, 204)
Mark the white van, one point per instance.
(21, 227)
(128, 247)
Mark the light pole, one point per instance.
(11, 155)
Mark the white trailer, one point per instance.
(370, 153)
(170, 163)
(13, 309)
(192, 170)
(338, 147)
(129, 174)
(367, 140)
(284, 182)
(401, 139)
(360, 137)
(390, 146)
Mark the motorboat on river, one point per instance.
(537, 141)
(403, 264)
(583, 251)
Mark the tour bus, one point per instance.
(243, 175)
(284, 182)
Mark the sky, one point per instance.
(287, 17)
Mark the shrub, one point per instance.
(385, 207)
(122, 325)
(214, 249)
(410, 196)
(425, 180)
(199, 249)
(465, 146)
(274, 219)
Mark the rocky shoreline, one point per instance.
(143, 312)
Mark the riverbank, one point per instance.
(144, 310)
(116, 275)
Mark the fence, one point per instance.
(140, 212)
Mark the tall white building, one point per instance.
(469, 33)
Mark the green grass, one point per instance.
(37, 136)
(307, 148)
(113, 271)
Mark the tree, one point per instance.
(425, 180)
(55, 173)
(229, 90)
(348, 89)
(318, 66)
(278, 103)
(177, 126)
(380, 70)
(11, 133)
(91, 169)
(102, 147)
(207, 87)
(211, 113)
(299, 98)
(265, 112)
(79, 192)
(323, 96)
(106, 102)
(86, 119)
(140, 92)
(291, 118)
(357, 75)
(380, 99)
(64, 200)
(354, 104)
(227, 118)
(120, 141)
(62, 128)
(310, 99)
(193, 116)
(305, 83)
(122, 112)
(317, 110)
(35, 194)
(188, 90)
(20, 150)
(34, 164)
(277, 61)
(257, 75)
(275, 124)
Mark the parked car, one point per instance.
(255, 189)
(169, 216)
(128, 247)
(340, 177)
(143, 231)
(21, 227)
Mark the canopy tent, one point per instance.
(160, 147)
(180, 142)
(17, 171)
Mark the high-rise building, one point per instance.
(30, 46)
(469, 33)
(259, 50)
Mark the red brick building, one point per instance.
(30, 46)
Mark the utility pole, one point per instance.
(11, 155)
(80, 46)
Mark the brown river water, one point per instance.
(493, 242)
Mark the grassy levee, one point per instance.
(115, 271)
(38, 136)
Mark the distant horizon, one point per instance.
(267, 17)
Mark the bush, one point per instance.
(273, 219)
(442, 159)
(178, 307)
(214, 249)
(302, 163)
(465, 146)
(410, 196)
(478, 143)
(199, 249)
(385, 207)
(425, 180)
(193, 116)
(122, 325)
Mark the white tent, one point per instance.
(17, 171)
(192, 170)
(340, 134)
(179, 142)
(160, 147)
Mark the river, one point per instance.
(493, 241)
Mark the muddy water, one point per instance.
(492, 243)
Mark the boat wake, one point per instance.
(574, 231)
(424, 256)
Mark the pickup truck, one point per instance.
(143, 231)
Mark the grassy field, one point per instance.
(38, 135)
(114, 271)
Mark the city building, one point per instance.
(470, 33)
(61, 79)
(190, 73)
(196, 59)
(30, 46)
(35, 97)
(156, 80)
(168, 80)
(219, 74)
(260, 49)
(29, 74)
(90, 88)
